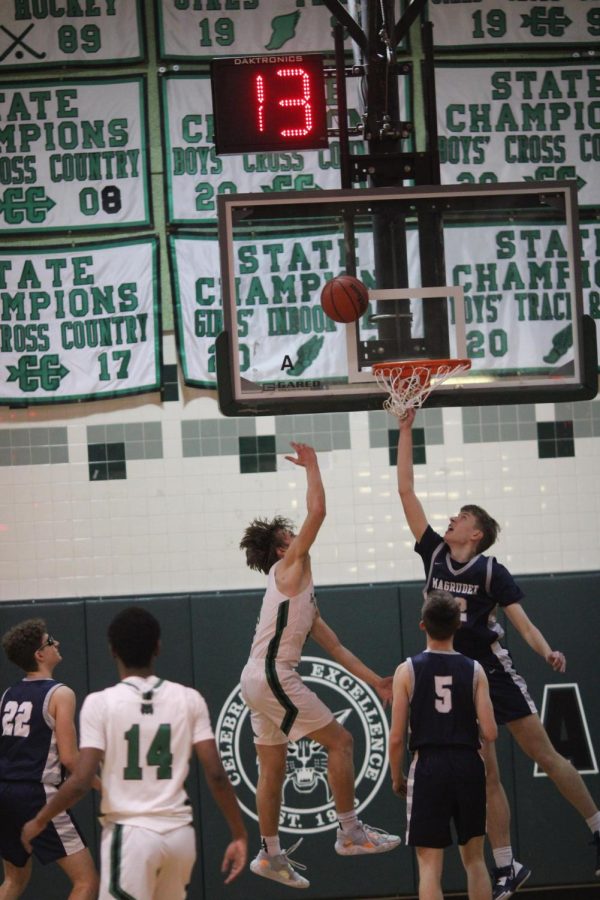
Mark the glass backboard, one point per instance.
(489, 272)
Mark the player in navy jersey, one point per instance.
(443, 698)
(148, 845)
(455, 563)
(38, 742)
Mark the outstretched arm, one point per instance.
(415, 515)
(329, 641)
(398, 729)
(236, 851)
(315, 499)
(534, 637)
(294, 568)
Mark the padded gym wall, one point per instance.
(206, 638)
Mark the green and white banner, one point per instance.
(520, 122)
(37, 33)
(485, 24)
(519, 293)
(79, 324)
(195, 174)
(517, 284)
(279, 310)
(192, 29)
(73, 155)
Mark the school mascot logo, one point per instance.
(307, 805)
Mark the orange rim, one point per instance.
(429, 367)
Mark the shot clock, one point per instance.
(269, 103)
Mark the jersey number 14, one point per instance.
(159, 753)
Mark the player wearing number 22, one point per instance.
(38, 744)
(455, 562)
(141, 733)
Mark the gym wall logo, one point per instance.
(307, 806)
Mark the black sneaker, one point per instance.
(506, 881)
(596, 842)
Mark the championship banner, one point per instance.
(190, 30)
(463, 25)
(279, 291)
(79, 323)
(518, 305)
(520, 122)
(195, 174)
(38, 33)
(73, 155)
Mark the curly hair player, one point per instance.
(282, 707)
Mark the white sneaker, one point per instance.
(365, 839)
(280, 868)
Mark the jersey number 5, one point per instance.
(443, 693)
(159, 753)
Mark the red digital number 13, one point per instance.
(303, 101)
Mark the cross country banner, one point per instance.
(38, 33)
(79, 323)
(195, 174)
(188, 29)
(485, 24)
(526, 121)
(73, 155)
(518, 299)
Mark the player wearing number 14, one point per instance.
(141, 732)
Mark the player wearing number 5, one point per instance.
(142, 732)
(38, 743)
(445, 698)
(455, 562)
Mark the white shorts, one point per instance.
(283, 709)
(146, 865)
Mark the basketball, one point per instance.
(344, 299)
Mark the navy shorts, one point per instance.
(508, 691)
(21, 801)
(445, 784)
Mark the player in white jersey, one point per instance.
(282, 706)
(151, 725)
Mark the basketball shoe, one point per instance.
(507, 881)
(364, 839)
(280, 868)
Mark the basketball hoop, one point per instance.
(409, 384)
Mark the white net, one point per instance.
(408, 388)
